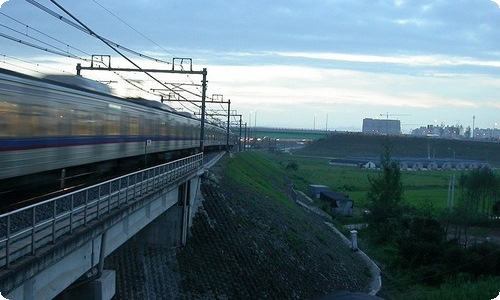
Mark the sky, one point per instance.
(322, 64)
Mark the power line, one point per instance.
(131, 27)
(57, 51)
(85, 29)
(107, 43)
(61, 53)
(46, 35)
(137, 31)
(144, 36)
(28, 62)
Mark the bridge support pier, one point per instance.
(102, 288)
(171, 228)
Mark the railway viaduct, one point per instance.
(57, 248)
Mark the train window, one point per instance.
(113, 124)
(146, 126)
(31, 120)
(48, 125)
(99, 122)
(171, 128)
(64, 118)
(133, 124)
(157, 127)
(8, 118)
(163, 128)
(84, 123)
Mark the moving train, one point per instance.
(61, 122)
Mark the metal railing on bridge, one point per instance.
(24, 231)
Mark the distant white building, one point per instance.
(449, 132)
(488, 133)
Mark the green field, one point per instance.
(421, 188)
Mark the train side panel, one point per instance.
(44, 126)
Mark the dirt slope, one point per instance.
(243, 246)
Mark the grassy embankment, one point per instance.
(255, 170)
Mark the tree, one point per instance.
(479, 190)
(496, 209)
(385, 195)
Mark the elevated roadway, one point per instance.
(285, 133)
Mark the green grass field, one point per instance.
(421, 188)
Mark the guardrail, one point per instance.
(24, 231)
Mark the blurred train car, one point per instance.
(54, 123)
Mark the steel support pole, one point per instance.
(239, 138)
(203, 98)
(245, 140)
(228, 123)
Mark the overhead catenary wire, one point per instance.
(107, 43)
(80, 26)
(57, 50)
(131, 27)
(28, 62)
(150, 40)
(42, 33)
(111, 45)
(61, 53)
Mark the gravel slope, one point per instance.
(243, 246)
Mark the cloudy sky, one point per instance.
(288, 63)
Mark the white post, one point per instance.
(354, 240)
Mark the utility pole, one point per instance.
(473, 124)
(326, 125)
(228, 122)
(245, 140)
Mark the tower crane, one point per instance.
(387, 114)
(393, 115)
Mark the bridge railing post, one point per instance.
(86, 208)
(98, 202)
(128, 187)
(7, 244)
(109, 197)
(54, 217)
(72, 204)
(33, 226)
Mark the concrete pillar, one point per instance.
(169, 229)
(172, 227)
(354, 240)
(102, 288)
(164, 230)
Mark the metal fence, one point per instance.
(24, 231)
